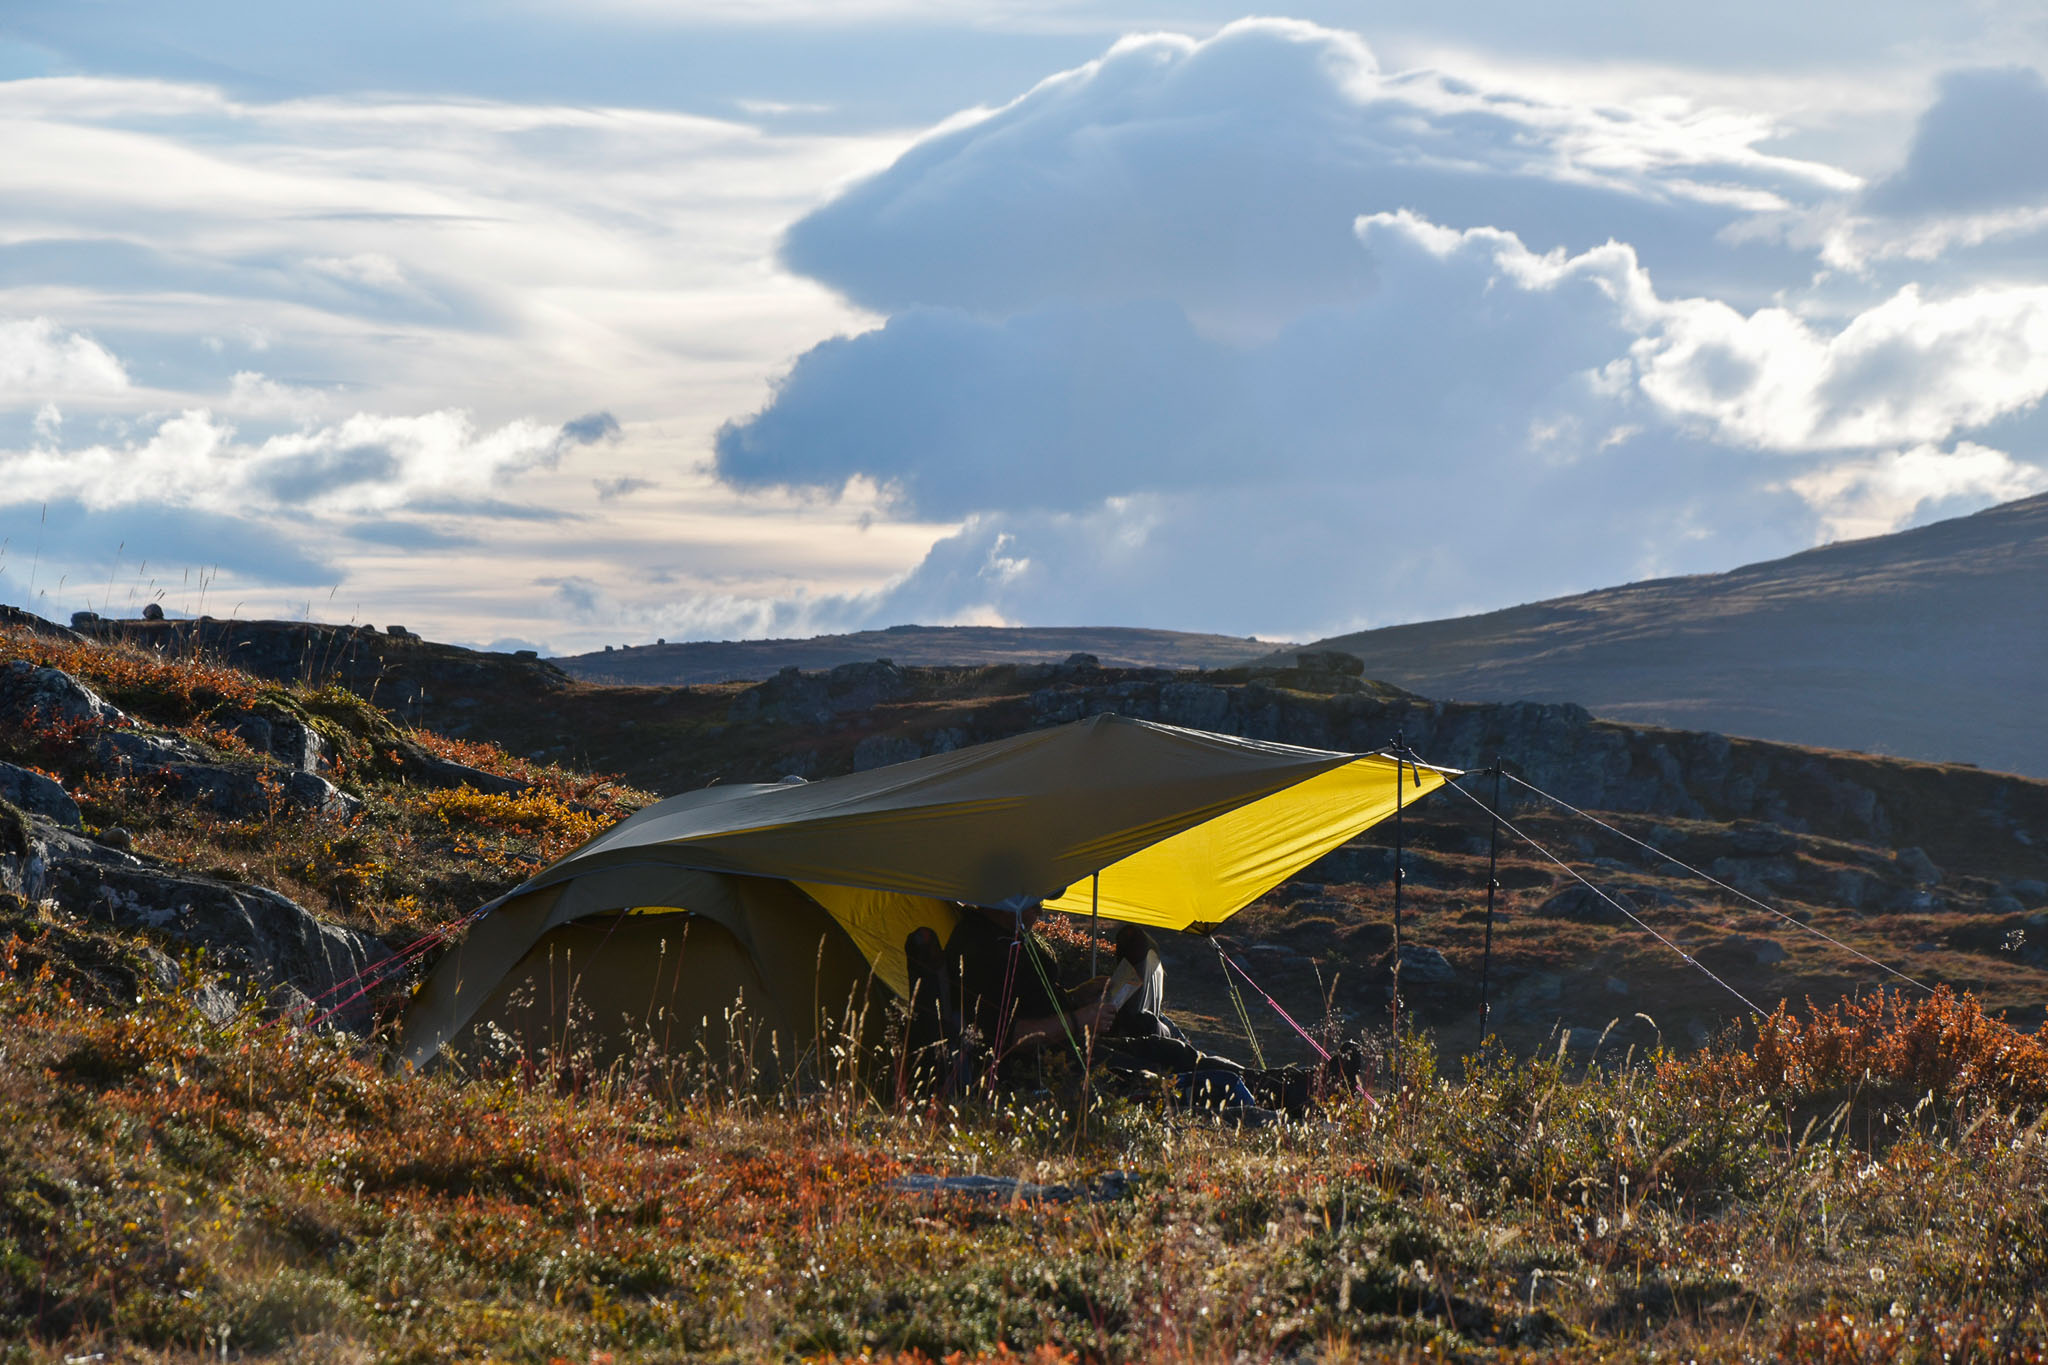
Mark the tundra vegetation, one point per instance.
(1865, 1179)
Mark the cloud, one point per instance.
(1063, 406)
(1248, 334)
(37, 360)
(254, 394)
(1909, 369)
(365, 463)
(1982, 145)
(1223, 175)
(620, 486)
(1869, 497)
(591, 428)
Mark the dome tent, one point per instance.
(789, 899)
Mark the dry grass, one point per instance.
(172, 1186)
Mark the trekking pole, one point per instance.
(1492, 887)
(1400, 875)
(1094, 921)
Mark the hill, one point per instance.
(1930, 643)
(711, 661)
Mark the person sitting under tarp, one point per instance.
(1007, 985)
(936, 1052)
(1137, 989)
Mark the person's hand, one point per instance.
(1096, 1017)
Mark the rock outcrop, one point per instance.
(35, 794)
(261, 937)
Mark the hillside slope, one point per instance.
(1930, 643)
(706, 661)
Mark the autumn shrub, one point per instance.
(167, 688)
(1941, 1045)
(517, 831)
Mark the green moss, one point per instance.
(352, 728)
(13, 829)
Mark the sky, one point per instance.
(551, 326)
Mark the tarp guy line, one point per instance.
(1633, 917)
(1715, 881)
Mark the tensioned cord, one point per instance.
(1633, 918)
(1711, 880)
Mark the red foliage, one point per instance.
(1942, 1044)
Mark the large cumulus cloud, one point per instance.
(1248, 334)
(1225, 175)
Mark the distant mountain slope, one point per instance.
(911, 646)
(1930, 643)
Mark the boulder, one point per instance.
(1583, 904)
(51, 695)
(37, 795)
(1422, 965)
(239, 791)
(257, 934)
(283, 737)
(1915, 863)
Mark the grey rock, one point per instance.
(144, 751)
(255, 933)
(1756, 839)
(1582, 903)
(1198, 706)
(2028, 891)
(38, 795)
(2001, 904)
(51, 695)
(215, 1004)
(1855, 888)
(161, 969)
(239, 791)
(879, 751)
(429, 770)
(1915, 863)
(1422, 965)
(1616, 986)
(285, 738)
(1742, 950)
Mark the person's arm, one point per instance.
(1090, 1018)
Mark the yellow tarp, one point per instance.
(879, 921)
(1206, 874)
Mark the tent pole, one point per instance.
(1492, 888)
(1400, 875)
(1094, 919)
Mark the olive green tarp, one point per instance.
(818, 884)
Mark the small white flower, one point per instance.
(1877, 1274)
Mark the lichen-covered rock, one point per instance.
(37, 795)
(52, 696)
(259, 935)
